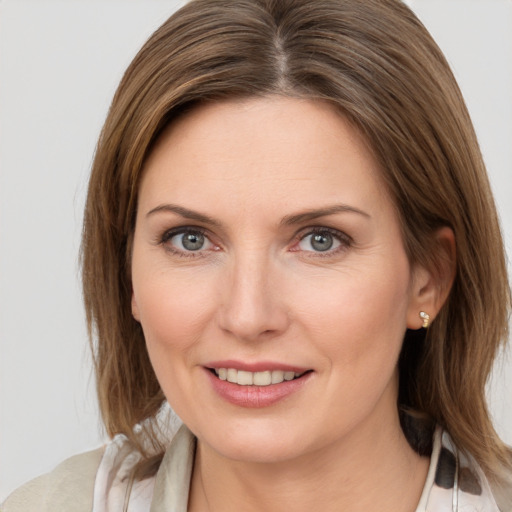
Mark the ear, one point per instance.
(135, 308)
(431, 286)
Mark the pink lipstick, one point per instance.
(255, 385)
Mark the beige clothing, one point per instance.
(68, 488)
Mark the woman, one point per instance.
(290, 237)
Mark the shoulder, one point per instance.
(99, 480)
(70, 487)
(456, 482)
(503, 492)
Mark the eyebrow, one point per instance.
(286, 221)
(321, 212)
(185, 213)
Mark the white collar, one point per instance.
(172, 482)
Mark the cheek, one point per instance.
(173, 314)
(359, 317)
(172, 306)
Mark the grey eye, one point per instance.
(322, 242)
(319, 242)
(189, 241)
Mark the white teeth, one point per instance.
(277, 376)
(265, 378)
(232, 376)
(262, 378)
(244, 378)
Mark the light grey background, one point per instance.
(60, 62)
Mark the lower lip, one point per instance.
(256, 396)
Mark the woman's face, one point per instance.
(266, 248)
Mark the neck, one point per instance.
(373, 465)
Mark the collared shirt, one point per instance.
(454, 482)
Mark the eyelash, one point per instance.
(171, 233)
(345, 241)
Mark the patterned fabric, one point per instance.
(454, 482)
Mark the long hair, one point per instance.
(377, 64)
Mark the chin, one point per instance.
(260, 452)
(257, 443)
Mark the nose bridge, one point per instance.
(252, 305)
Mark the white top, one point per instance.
(454, 481)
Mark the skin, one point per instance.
(258, 290)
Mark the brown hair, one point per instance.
(377, 64)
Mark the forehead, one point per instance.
(265, 149)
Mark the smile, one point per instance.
(266, 385)
(263, 378)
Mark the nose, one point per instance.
(253, 305)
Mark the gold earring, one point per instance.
(426, 319)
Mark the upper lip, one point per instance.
(258, 366)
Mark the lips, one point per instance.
(256, 385)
